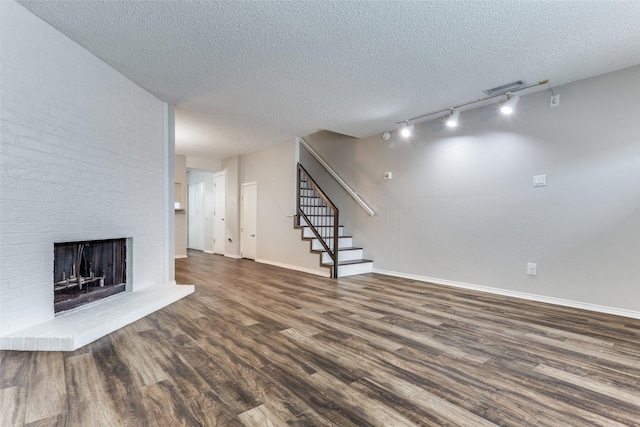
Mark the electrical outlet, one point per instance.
(555, 100)
(532, 269)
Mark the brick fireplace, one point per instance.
(85, 155)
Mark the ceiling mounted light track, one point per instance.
(454, 112)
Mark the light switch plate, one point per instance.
(540, 180)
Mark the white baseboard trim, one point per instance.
(232, 256)
(208, 252)
(514, 294)
(293, 267)
(181, 256)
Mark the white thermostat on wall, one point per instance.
(388, 175)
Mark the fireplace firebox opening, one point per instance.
(87, 271)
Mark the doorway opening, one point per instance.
(200, 209)
(248, 220)
(219, 227)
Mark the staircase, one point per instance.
(318, 218)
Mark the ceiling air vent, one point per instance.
(505, 88)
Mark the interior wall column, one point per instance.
(169, 199)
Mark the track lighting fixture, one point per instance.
(452, 121)
(406, 129)
(507, 107)
(454, 111)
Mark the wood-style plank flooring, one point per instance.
(258, 345)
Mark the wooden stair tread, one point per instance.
(321, 251)
(317, 226)
(339, 237)
(315, 238)
(355, 261)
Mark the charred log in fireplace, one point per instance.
(86, 271)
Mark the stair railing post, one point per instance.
(335, 243)
(298, 196)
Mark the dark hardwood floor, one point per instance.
(258, 345)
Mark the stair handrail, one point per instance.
(337, 177)
(302, 172)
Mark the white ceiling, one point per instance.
(246, 74)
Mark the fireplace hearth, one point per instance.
(86, 271)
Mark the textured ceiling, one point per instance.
(247, 74)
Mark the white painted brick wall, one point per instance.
(81, 158)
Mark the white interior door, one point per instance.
(248, 220)
(209, 201)
(196, 217)
(219, 229)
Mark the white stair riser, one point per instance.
(324, 231)
(320, 221)
(343, 256)
(317, 210)
(343, 242)
(353, 269)
(310, 201)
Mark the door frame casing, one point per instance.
(242, 218)
(200, 188)
(219, 241)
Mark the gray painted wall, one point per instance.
(203, 164)
(274, 169)
(461, 206)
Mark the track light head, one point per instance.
(452, 121)
(406, 130)
(508, 106)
